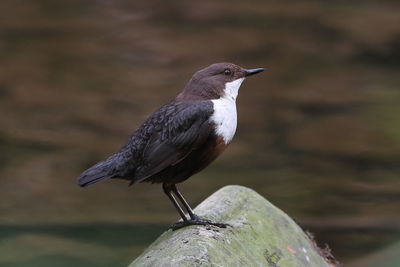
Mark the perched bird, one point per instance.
(181, 138)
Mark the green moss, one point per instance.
(261, 235)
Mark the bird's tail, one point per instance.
(98, 172)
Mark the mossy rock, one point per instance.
(260, 235)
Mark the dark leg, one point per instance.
(194, 219)
(167, 190)
(184, 202)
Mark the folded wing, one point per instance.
(175, 135)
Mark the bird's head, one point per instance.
(217, 81)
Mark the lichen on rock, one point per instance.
(260, 235)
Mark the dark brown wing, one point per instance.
(174, 136)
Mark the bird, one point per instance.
(180, 139)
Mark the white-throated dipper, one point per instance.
(181, 138)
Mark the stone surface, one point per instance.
(261, 235)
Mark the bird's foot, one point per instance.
(197, 221)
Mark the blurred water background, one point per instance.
(318, 133)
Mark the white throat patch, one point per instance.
(232, 88)
(225, 116)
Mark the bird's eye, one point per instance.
(227, 72)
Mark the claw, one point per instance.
(197, 221)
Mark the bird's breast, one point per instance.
(224, 118)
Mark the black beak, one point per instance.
(252, 71)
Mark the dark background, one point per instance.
(318, 133)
